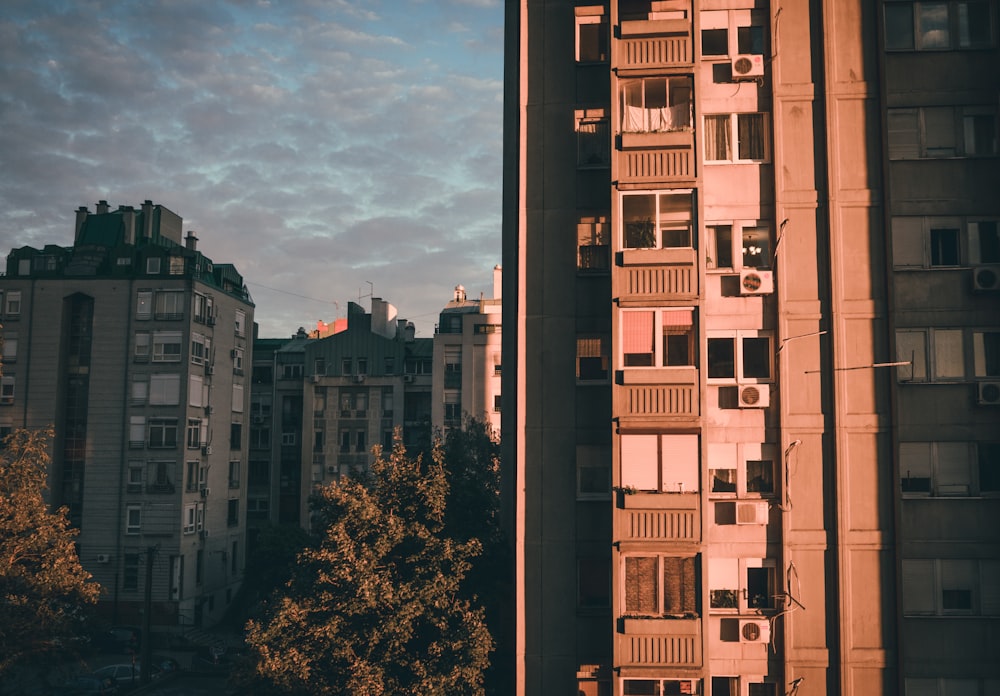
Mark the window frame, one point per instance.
(739, 367)
(739, 456)
(664, 219)
(676, 453)
(133, 519)
(912, 141)
(593, 462)
(671, 117)
(733, 138)
(932, 577)
(954, 27)
(663, 318)
(745, 605)
(593, 138)
(161, 340)
(660, 610)
(589, 16)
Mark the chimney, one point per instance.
(81, 219)
(497, 282)
(147, 219)
(102, 207)
(128, 220)
(191, 242)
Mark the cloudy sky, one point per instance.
(330, 149)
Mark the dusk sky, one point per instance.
(318, 145)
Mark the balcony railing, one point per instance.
(660, 643)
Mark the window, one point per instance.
(235, 436)
(741, 584)
(592, 354)
(744, 470)
(201, 308)
(153, 265)
(167, 346)
(292, 372)
(940, 242)
(593, 583)
(240, 322)
(942, 131)
(657, 220)
(289, 439)
(935, 355)
(232, 512)
(139, 392)
(191, 475)
(593, 472)
(169, 304)
(658, 338)
(163, 432)
(258, 508)
(935, 587)
(748, 28)
(949, 468)
(452, 358)
(133, 519)
(361, 438)
(144, 304)
(935, 26)
(200, 348)
(9, 341)
(931, 686)
(160, 479)
(345, 440)
(12, 306)
(745, 358)
(656, 104)
(660, 463)
(237, 361)
(164, 390)
(658, 687)
(593, 243)
(737, 138)
(136, 476)
(347, 366)
(591, 35)
(234, 474)
(260, 438)
(237, 398)
(142, 344)
(452, 407)
(130, 572)
(189, 518)
(7, 389)
(197, 391)
(986, 353)
(137, 432)
(660, 585)
(593, 138)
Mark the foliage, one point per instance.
(269, 566)
(374, 607)
(43, 589)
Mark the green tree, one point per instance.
(374, 608)
(44, 591)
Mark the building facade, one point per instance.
(467, 366)
(751, 346)
(134, 345)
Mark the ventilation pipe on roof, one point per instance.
(191, 242)
(147, 219)
(102, 207)
(81, 219)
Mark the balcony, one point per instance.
(655, 44)
(659, 517)
(655, 392)
(659, 642)
(652, 275)
(656, 157)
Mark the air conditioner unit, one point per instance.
(203, 534)
(408, 378)
(755, 396)
(210, 320)
(748, 67)
(103, 558)
(209, 369)
(258, 420)
(986, 278)
(205, 491)
(332, 470)
(358, 379)
(755, 631)
(207, 449)
(988, 393)
(754, 512)
(208, 410)
(233, 353)
(755, 282)
(315, 379)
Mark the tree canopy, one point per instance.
(374, 607)
(43, 589)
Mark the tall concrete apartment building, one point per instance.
(752, 346)
(134, 345)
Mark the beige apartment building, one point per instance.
(135, 346)
(752, 346)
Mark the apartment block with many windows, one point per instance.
(750, 320)
(135, 346)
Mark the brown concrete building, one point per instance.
(134, 345)
(752, 346)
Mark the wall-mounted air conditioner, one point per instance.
(203, 534)
(748, 67)
(986, 278)
(103, 558)
(408, 378)
(755, 396)
(209, 369)
(315, 379)
(988, 393)
(206, 450)
(751, 512)
(358, 379)
(756, 282)
(755, 631)
(205, 491)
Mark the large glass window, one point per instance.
(737, 138)
(743, 357)
(661, 585)
(656, 104)
(654, 220)
(660, 462)
(937, 25)
(658, 337)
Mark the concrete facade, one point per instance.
(739, 239)
(134, 346)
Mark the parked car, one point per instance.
(88, 685)
(120, 639)
(126, 674)
(214, 658)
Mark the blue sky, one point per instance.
(319, 145)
